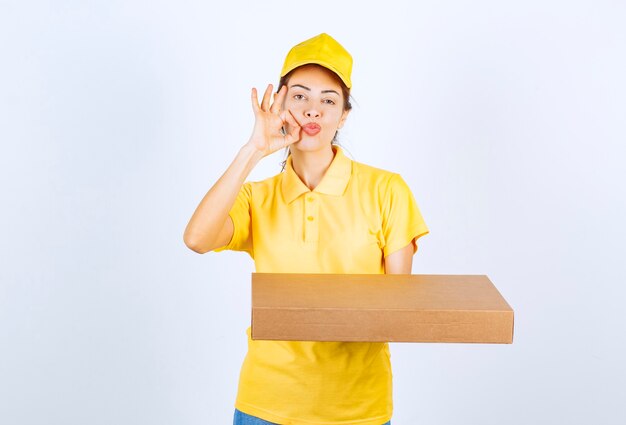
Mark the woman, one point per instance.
(323, 214)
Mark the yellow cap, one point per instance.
(322, 50)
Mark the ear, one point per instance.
(344, 117)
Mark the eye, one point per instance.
(328, 101)
(298, 96)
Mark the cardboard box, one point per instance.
(383, 308)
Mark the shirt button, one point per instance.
(310, 199)
(310, 218)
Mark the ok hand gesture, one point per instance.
(270, 123)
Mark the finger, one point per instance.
(255, 101)
(275, 108)
(265, 104)
(277, 104)
(294, 128)
(290, 118)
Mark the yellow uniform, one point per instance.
(355, 217)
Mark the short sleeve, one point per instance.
(240, 214)
(402, 221)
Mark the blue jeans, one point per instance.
(244, 419)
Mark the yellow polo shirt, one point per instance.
(355, 217)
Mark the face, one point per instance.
(315, 99)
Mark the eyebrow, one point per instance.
(323, 91)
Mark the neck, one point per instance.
(311, 166)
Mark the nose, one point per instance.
(312, 113)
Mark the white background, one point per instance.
(507, 120)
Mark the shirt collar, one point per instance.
(334, 182)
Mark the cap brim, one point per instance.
(326, 65)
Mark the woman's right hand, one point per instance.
(269, 120)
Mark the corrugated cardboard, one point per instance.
(383, 308)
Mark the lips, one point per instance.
(311, 128)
